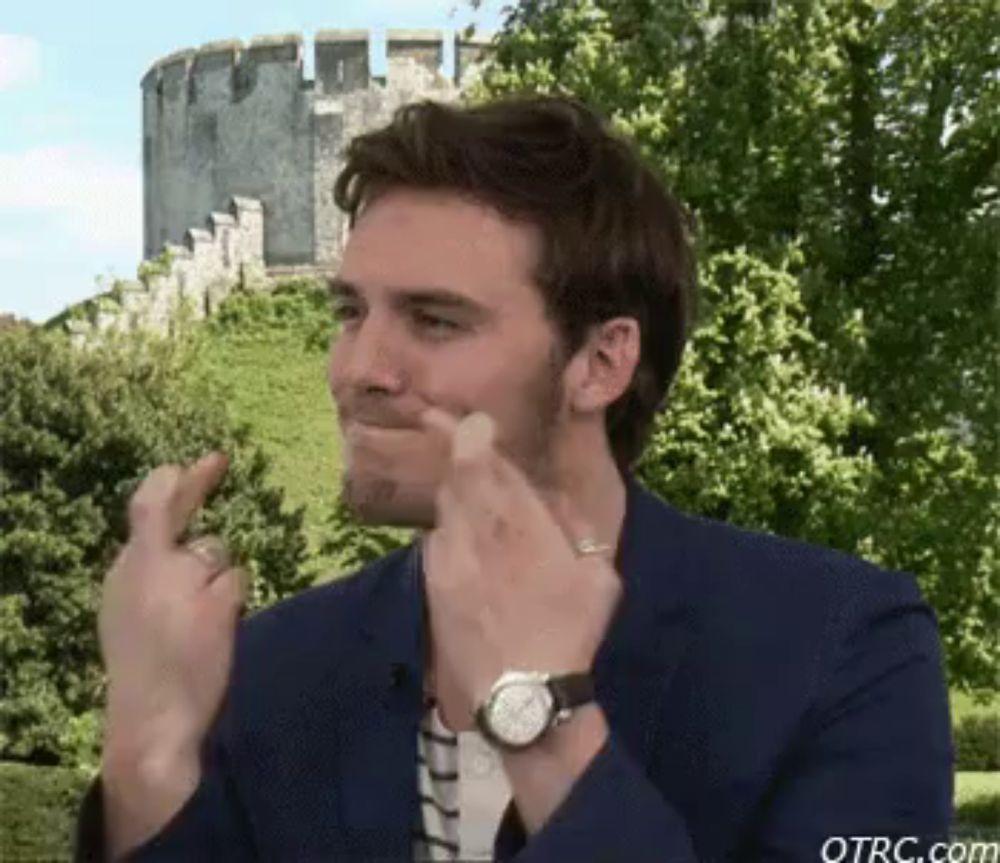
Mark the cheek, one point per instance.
(333, 363)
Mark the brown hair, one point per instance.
(614, 240)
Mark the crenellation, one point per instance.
(150, 81)
(221, 220)
(174, 76)
(211, 74)
(271, 63)
(286, 48)
(222, 46)
(198, 239)
(177, 250)
(471, 54)
(423, 48)
(184, 54)
(341, 61)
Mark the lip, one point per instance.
(373, 429)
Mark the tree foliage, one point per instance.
(755, 434)
(863, 134)
(79, 431)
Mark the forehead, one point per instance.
(412, 237)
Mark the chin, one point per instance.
(379, 500)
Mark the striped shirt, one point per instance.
(463, 792)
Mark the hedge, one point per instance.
(38, 811)
(977, 743)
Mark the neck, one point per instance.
(586, 472)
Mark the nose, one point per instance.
(366, 357)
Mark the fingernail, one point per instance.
(473, 435)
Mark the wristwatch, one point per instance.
(523, 705)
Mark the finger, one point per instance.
(164, 502)
(149, 504)
(195, 485)
(471, 443)
(469, 438)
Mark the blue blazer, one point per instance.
(763, 695)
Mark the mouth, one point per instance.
(375, 432)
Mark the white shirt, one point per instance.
(463, 792)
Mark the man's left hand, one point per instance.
(506, 588)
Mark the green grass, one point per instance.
(963, 704)
(977, 804)
(969, 786)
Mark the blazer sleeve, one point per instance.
(209, 826)
(873, 757)
(612, 813)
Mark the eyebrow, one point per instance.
(339, 288)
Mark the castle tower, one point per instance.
(231, 120)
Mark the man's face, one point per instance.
(437, 307)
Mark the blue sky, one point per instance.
(70, 125)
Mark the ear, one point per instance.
(604, 366)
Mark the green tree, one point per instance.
(79, 431)
(754, 434)
(864, 133)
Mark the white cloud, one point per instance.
(19, 61)
(90, 200)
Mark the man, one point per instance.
(514, 300)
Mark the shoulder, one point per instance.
(760, 598)
(745, 565)
(800, 624)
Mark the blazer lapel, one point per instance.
(377, 741)
(648, 635)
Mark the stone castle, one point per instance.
(240, 152)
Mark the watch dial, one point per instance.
(520, 712)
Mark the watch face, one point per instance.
(520, 712)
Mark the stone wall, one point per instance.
(208, 265)
(231, 119)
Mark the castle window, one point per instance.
(340, 71)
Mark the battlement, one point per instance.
(211, 263)
(241, 119)
(231, 70)
(425, 48)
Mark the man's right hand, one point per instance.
(167, 628)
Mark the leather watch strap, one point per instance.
(572, 690)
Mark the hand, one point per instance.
(505, 585)
(167, 628)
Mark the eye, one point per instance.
(343, 312)
(433, 322)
